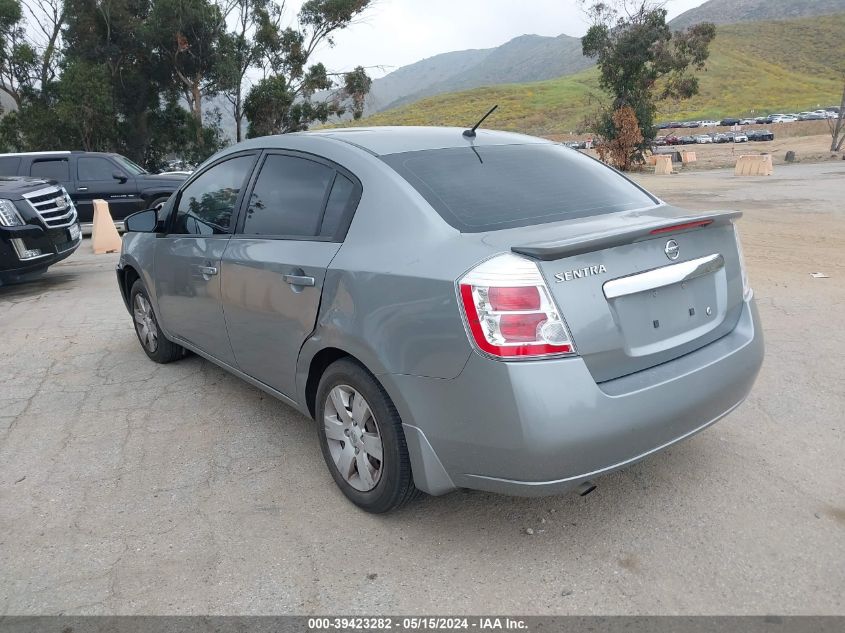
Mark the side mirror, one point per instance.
(145, 221)
(119, 176)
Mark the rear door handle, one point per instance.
(208, 270)
(299, 280)
(82, 188)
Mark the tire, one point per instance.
(152, 341)
(353, 414)
(158, 201)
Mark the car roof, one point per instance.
(58, 152)
(393, 140)
(62, 152)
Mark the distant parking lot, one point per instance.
(128, 487)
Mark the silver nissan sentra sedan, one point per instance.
(490, 311)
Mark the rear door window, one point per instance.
(288, 198)
(341, 200)
(9, 165)
(51, 169)
(487, 188)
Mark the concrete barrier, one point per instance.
(688, 156)
(754, 165)
(104, 237)
(663, 165)
(668, 151)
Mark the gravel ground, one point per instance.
(132, 488)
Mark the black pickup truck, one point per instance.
(88, 176)
(38, 227)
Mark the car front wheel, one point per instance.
(159, 201)
(362, 440)
(155, 344)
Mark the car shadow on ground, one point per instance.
(52, 280)
(661, 478)
(679, 480)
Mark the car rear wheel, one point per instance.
(362, 440)
(154, 343)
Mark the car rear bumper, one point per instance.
(543, 427)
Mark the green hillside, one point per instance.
(733, 11)
(781, 66)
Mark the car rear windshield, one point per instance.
(488, 188)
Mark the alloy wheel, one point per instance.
(145, 323)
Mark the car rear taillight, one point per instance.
(509, 310)
(747, 292)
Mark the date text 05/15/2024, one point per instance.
(419, 623)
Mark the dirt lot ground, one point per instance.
(127, 487)
(808, 149)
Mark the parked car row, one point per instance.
(716, 137)
(579, 144)
(87, 176)
(815, 115)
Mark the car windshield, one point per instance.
(128, 165)
(488, 188)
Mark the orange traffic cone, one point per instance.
(104, 237)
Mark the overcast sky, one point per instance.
(395, 33)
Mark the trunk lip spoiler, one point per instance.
(599, 240)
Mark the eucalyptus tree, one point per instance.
(641, 61)
(283, 100)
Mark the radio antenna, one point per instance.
(470, 133)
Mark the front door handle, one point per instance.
(208, 271)
(299, 280)
(82, 188)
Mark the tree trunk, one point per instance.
(196, 107)
(238, 116)
(14, 94)
(838, 132)
(50, 49)
(85, 135)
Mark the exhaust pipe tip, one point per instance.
(585, 488)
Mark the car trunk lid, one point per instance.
(637, 288)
